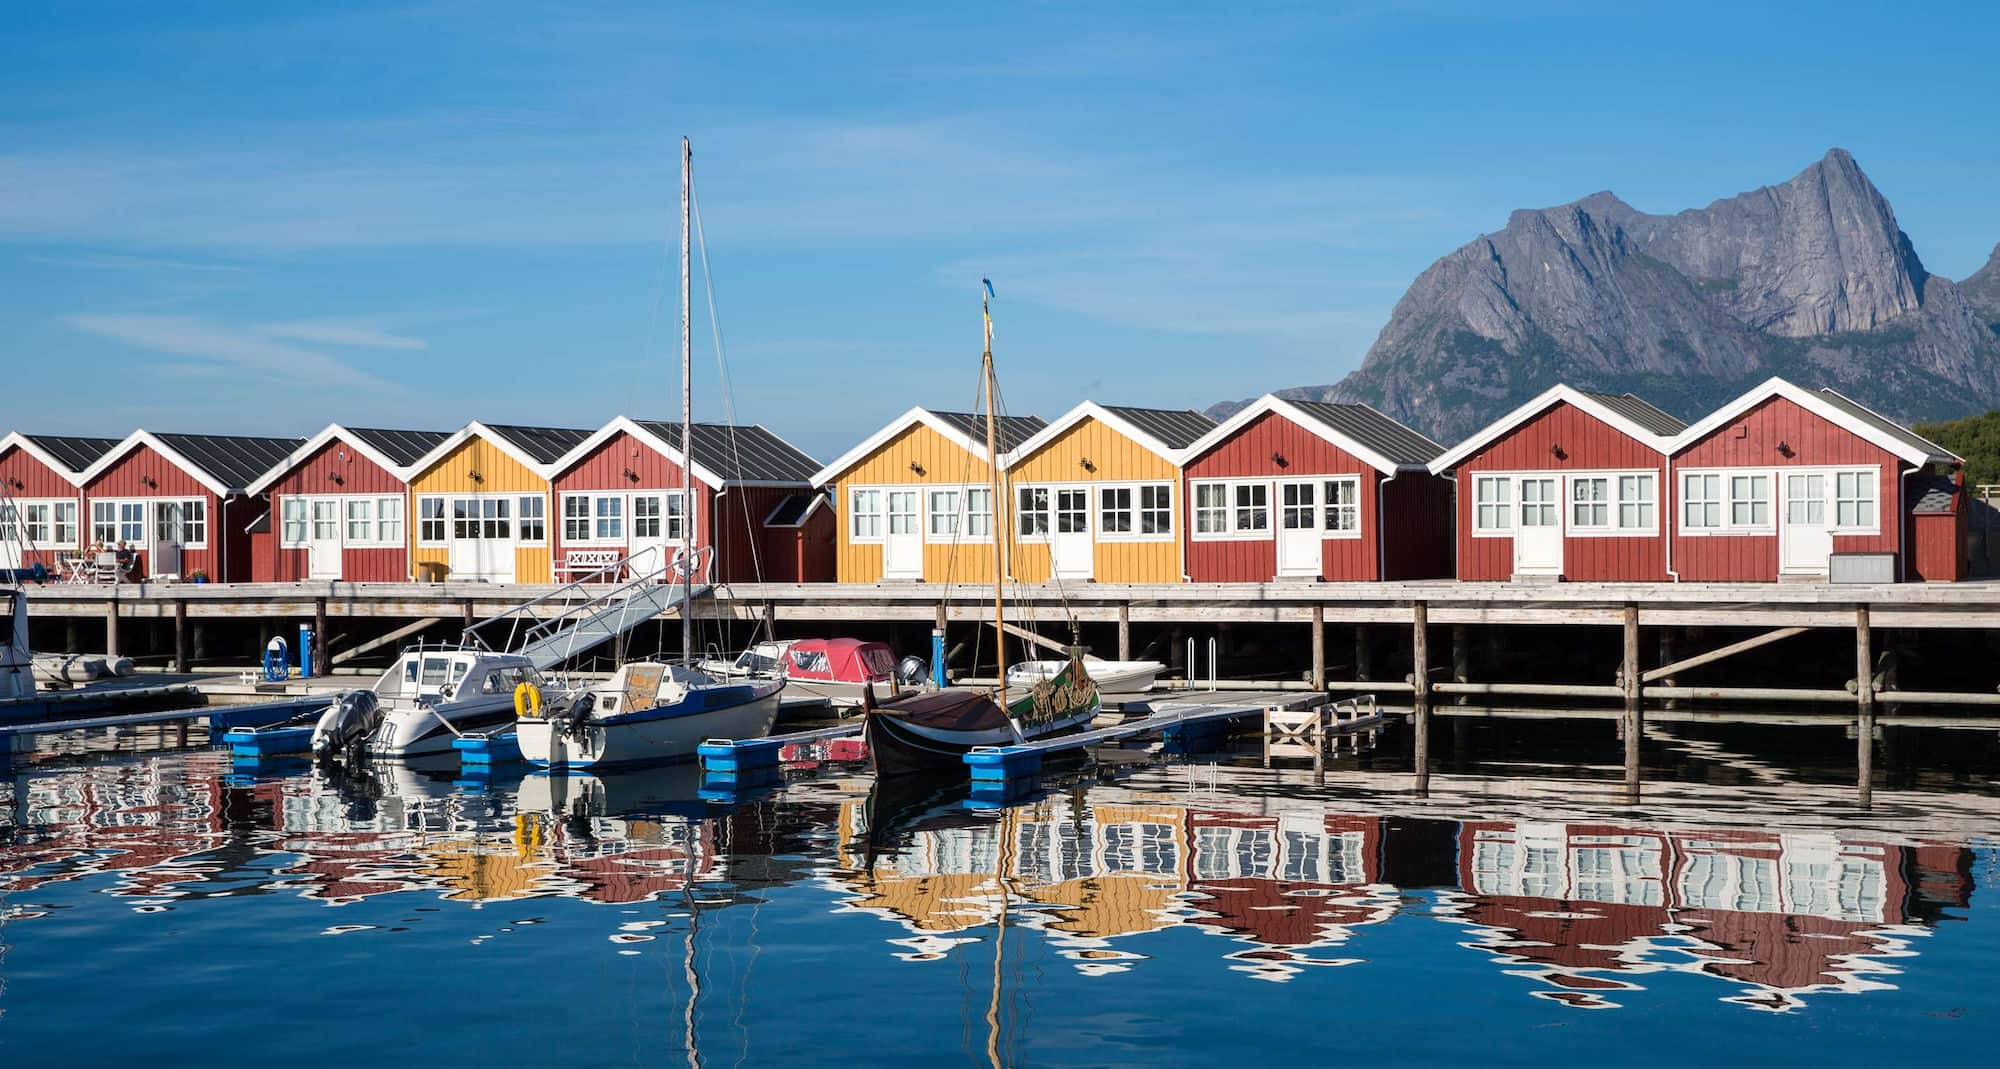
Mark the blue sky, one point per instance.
(249, 217)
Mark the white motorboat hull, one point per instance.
(637, 739)
(407, 733)
(1111, 677)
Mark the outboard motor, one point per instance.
(346, 724)
(912, 671)
(576, 716)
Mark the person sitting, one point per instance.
(127, 558)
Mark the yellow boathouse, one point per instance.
(480, 502)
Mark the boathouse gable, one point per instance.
(1303, 490)
(913, 501)
(339, 507)
(1568, 486)
(1779, 480)
(181, 501)
(42, 475)
(480, 502)
(1097, 495)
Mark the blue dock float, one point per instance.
(260, 743)
(264, 714)
(737, 756)
(476, 752)
(1185, 723)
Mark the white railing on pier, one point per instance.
(581, 615)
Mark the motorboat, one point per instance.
(934, 731)
(424, 702)
(836, 669)
(1111, 677)
(17, 659)
(649, 711)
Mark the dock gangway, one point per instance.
(582, 615)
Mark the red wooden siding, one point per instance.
(1249, 454)
(604, 468)
(1752, 441)
(1586, 443)
(335, 468)
(39, 482)
(125, 480)
(1937, 541)
(802, 554)
(778, 554)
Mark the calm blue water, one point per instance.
(167, 910)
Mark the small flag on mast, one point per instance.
(988, 283)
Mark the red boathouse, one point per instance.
(338, 507)
(181, 501)
(1787, 482)
(1313, 491)
(41, 497)
(1567, 486)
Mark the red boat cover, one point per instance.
(840, 660)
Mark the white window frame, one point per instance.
(1327, 505)
(521, 518)
(1614, 503)
(872, 504)
(581, 519)
(1214, 516)
(943, 526)
(657, 519)
(1134, 509)
(51, 521)
(118, 507)
(677, 508)
(1773, 501)
(1503, 508)
(442, 520)
(357, 521)
(966, 533)
(385, 506)
(1871, 478)
(1046, 510)
(1232, 529)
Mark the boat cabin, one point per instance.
(619, 496)
(339, 507)
(1312, 491)
(1097, 495)
(1786, 482)
(180, 503)
(915, 499)
(480, 502)
(839, 660)
(1567, 486)
(41, 499)
(429, 676)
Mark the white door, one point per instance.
(647, 544)
(482, 539)
(323, 539)
(1299, 530)
(1070, 542)
(1807, 539)
(903, 542)
(169, 536)
(1538, 536)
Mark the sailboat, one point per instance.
(651, 710)
(932, 732)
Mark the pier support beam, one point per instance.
(180, 636)
(69, 635)
(1124, 629)
(1631, 677)
(1461, 658)
(111, 628)
(1364, 666)
(1319, 647)
(1669, 653)
(321, 664)
(1420, 690)
(1864, 700)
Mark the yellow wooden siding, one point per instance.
(943, 463)
(1113, 458)
(498, 474)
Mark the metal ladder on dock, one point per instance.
(574, 619)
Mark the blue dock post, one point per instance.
(738, 758)
(937, 654)
(306, 637)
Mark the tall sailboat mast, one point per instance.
(993, 467)
(687, 402)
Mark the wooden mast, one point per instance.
(687, 405)
(993, 467)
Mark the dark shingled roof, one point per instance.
(1887, 426)
(791, 511)
(1171, 427)
(1640, 411)
(71, 452)
(1010, 431)
(1367, 427)
(755, 456)
(235, 461)
(545, 444)
(403, 448)
(1932, 493)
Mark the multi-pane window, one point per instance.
(1749, 500)
(1493, 503)
(66, 525)
(1805, 499)
(183, 523)
(1296, 511)
(1211, 508)
(1635, 502)
(1342, 504)
(464, 518)
(1156, 509)
(430, 520)
(132, 522)
(1854, 499)
(608, 513)
(942, 510)
(1253, 507)
(1701, 501)
(1072, 512)
(902, 512)
(35, 521)
(1115, 513)
(1032, 510)
(576, 517)
(360, 520)
(864, 513)
(1538, 502)
(103, 521)
(679, 522)
(389, 520)
(979, 512)
(534, 525)
(646, 516)
(1590, 501)
(9, 522)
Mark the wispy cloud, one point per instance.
(115, 262)
(231, 347)
(347, 335)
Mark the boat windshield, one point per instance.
(763, 657)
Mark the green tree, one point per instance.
(1976, 438)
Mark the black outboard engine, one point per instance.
(346, 724)
(912, 671)
(577, 716)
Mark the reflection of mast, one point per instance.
(687, 961)
(1000, 865)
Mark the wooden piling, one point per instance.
(1124, 629)
(1461, 658)
(69, 636)
(1420, 691)
(1364, 666)
(321, 663)
(1634, 708)
(180, 636)
(111, 628)
(1864, 699)
(1319, 647)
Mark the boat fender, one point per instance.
(528, 701)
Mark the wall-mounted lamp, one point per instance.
(1556, 451)
(916, 467)
(475, 476)
(1279, 459)
(336, 478)
(149, 482)
(16, 483)
(1784, 449)
(631, 476)
(1086, 465)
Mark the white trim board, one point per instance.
(1547, 399)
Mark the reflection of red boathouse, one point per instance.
(1584, 907)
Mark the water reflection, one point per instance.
(1579, 913)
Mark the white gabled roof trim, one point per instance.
(1092, 410)
(1812, 401)
(472, 430)
(1273, 404)
(670, 450)
(17, 440)
(888, 433)
(1499, 428)
(142, 437)
(315, 444)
